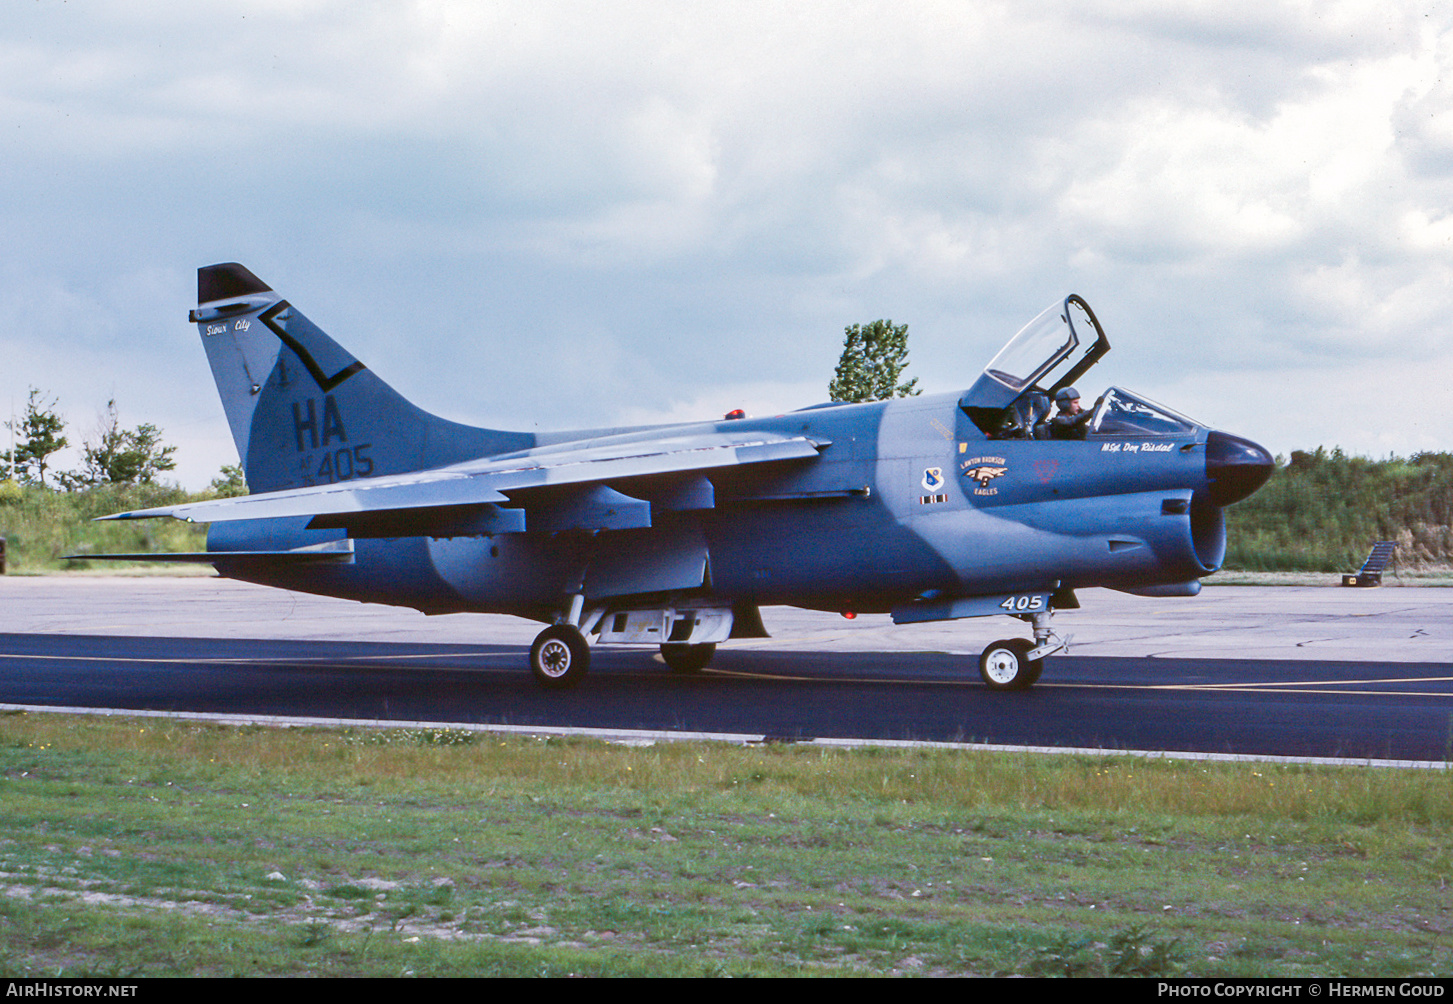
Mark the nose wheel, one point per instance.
(1005, 665)
(1015, 663)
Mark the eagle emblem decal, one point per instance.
(984, 470)
(984, 473)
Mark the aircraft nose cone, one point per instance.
(1235, 467)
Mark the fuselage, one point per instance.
(910, 500)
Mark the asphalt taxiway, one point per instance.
(1303, 671)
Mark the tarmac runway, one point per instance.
(1303, 671)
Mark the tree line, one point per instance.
(110, 454)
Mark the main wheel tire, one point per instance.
(1004, 665)
(683, 658)
(560, 656)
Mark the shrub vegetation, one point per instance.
(1322, 511)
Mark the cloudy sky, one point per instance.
(546, 215)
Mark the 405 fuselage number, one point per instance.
(1023, 604)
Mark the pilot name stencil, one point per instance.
(1136, 447)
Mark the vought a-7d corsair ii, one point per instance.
(1003, 499)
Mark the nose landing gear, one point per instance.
(1015, 663)
(1005, 665)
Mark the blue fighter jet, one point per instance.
(992, 501)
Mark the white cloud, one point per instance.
(639, 204)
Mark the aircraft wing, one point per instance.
(549, 489)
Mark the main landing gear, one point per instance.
(1015, 663)
(560, 656)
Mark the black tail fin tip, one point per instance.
(226, 281)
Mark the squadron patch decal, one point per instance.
(983, 470)
(932, 479)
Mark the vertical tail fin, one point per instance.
(303, 410)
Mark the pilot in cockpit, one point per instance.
(1070, 420)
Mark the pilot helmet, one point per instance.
(1065, 395)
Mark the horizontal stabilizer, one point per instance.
(212, 557)
(349, 497)
(189, 557)
(333, 552)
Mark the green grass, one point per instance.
(41, 527)
(1424, 577)
(137, 848)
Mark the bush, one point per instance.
(1322, 511)
(42, 526)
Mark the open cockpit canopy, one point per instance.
(1045, 343)
(1013, 397)
(1051, 351)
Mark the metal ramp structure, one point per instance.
(1370, 574)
